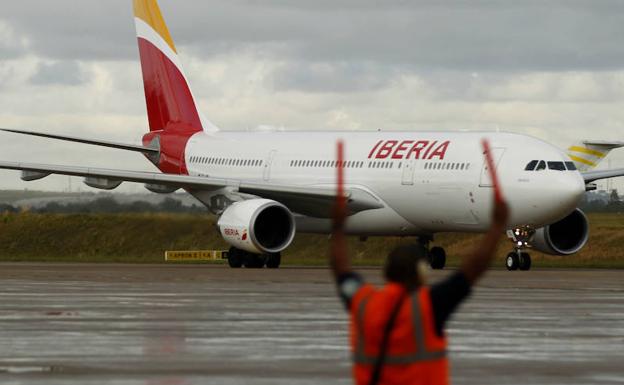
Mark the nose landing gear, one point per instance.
(519, 259)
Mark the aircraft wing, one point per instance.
(306, 200)
(591, 176)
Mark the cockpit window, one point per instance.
(571, 166)
(540, 165)
(531, 165)
(558, 166)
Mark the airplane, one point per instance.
(267, 185)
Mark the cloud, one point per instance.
(11, 44)
(65, 72)
(552, 70)
(330, 77)
(455, 35)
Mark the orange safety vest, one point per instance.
(415, 353)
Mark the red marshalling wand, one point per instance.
(340, 176)
(498, 195)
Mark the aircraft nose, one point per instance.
(570, 190)
(552, 197)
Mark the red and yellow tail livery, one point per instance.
(171, 105)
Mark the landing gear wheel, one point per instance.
(254, 261)
(274, 261)
(235, 258)
(513, 261)
(525, 261)
(437, 257)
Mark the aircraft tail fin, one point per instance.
(588, 154)
(171, 105)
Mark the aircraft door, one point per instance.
(497, 155)
(267, 165)
(408, 172)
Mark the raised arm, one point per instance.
(479, 260)
(339, 257)
(477, 263)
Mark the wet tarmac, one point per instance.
(137, 324)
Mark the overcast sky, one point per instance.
(552, 69)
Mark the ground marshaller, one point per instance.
(397, 331)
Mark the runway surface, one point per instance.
(136, 324)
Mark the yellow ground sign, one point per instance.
(194, 255)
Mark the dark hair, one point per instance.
(401, 264)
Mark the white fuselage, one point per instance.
(428, 181)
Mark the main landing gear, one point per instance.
(435, 255)
(519, 259)
(238, 258)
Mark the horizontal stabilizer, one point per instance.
(591, 176)
(103, 143)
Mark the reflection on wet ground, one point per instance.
(128, 324)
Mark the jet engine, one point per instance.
(565, 237)
(260, 226)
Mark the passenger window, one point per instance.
(571, 166)
(541, 166)
(557, 166)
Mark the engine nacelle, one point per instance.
(565, 237)
(258, 226)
